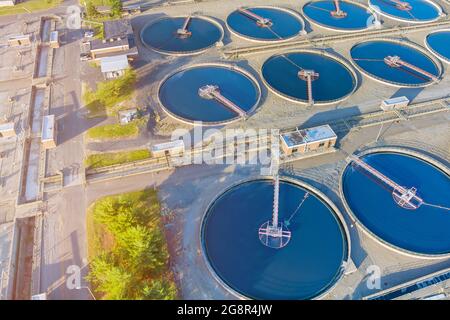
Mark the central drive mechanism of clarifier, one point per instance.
(404, 197)
(402, 5)
(183, 32)
(309, 76)
(260, 21)
(338, 13)
(397, 62)
(272, 233)
(210, 92)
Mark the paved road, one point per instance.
(64, 234)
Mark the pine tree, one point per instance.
(116, 8)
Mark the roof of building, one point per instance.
(319, 133)
(302, 136)
(117, 28)
(8, 2)
(176, 144)
(48, 126)
(396, 100)
(54, 36)
(19, 37)
(8, 126)
(294, 138)
(128, 112)
(114, 63)
(103, 44)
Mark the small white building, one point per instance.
(7, 3)
(172, 148)
(48, 136)
(394, 103)
(310, 139)
(114, 67)
(126, 116)
(19, 40)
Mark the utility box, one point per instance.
(394, 103)
(48, 137)
(7, 129)
(54, 39)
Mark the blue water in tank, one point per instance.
(281, 73)
(369, 56)
(161, 35)
(439, 42)
(422, 11)
(306, 267)
(358, 17)
(424, 230)
(179, 93)
(284, 24)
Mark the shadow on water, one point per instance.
(256, 74)
(357, 74)
(358, 253)
(308, 28)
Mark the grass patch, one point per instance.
(127, 249)
(98, 2)
(116, 131)
(29, 6)
(109, 95)
(99, 238)
(108, 159)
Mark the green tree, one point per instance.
(136, 267)
(116, 8)
(159, 289)
(143, 250)
(109, 279)
(115, 214)
(91, 10)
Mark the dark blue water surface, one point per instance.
(285, 25)
(369, 56)
(179, 93)
(161, 35)
(335, 80)
(357, 17)
(422, 11)
(306, 267)
(425, 230)
(439, 42)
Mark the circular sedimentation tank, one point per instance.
(332, 79)
(307, 267)
(350, 16)
(438, 42)
(181, 96)
(183, 35)
(423, 231)
(395, 63)
(412, 11)
(265, 24)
